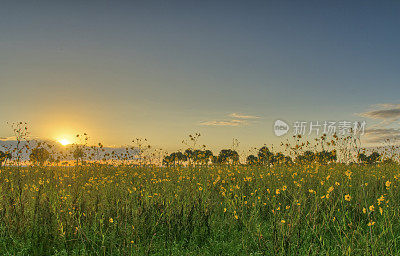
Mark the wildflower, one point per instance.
(380, 210)
(348, 174)
(380, 200)
(277, 191)
(364, 210)
(371, 208)
(200, 188)
(111, 220)
(347, 197)
(371, 223)
(283, 221)
(388, 184)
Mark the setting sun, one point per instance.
(64, 142)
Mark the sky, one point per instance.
(162, 70)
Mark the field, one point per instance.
(333, 209)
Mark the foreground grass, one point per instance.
(220, 210)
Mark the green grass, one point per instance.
(216, 210)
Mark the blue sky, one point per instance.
(162, 69)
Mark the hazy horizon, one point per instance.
(163, 70)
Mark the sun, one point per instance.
(64, 142)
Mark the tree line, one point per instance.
(40, 155)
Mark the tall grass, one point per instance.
(335, 209)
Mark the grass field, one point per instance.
(216, 210)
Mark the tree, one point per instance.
(252, 160)
(78, 154)
(39, 156)
(201, 156)
(174, 158)
(189, 155)
(3, 157)
(324, 157)
(228, 156)
(306, 157)
(281, 159)
(265, 156)
(372, 158)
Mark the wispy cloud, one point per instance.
(7, 138)
(236, 119)
(380, 135)
(241, 116)
(387, 112)
(223, 123)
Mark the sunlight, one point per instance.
(64, 142)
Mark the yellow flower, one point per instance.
(388, 184)
(380, 200)
(277, 191)
(200, 188)
(347, 197)
(224, 209)
(111, 220)
(371, 223)
(380, 210)
(283, 221)
(364, 210)
(371, 208)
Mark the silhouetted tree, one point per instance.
(228, 156)
(265, 156)
(3, 157)
(39, 156)
(306, 157)
(281, 159)
(324, 157)
(252, 160)
(189, 155)
(202, 156)
(372, 158)
(78, 154)
(175, 158)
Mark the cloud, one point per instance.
(380, 135)
(236, 119)
(387, 112)
(241, 116)
(223, 123)
(7, 138)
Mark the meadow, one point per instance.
(226, 209)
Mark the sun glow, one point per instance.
(64, 142)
